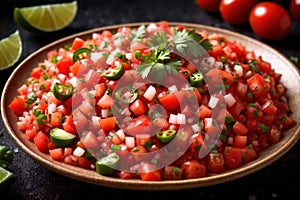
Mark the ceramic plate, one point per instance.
(290, 78)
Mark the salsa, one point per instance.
(154, 103)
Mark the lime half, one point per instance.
(11, 50)
(46, 18)
(5, 177)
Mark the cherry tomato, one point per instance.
(270, 21)
(236, 11)
(295, 9)
(209, 5)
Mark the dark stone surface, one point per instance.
(279, 180)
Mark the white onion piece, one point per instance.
(129, 141)
(229, 99)
(78, 152)
(173, 119)
(213, 101)
(150, 93)
(181, 119)
(238, 70)
(120, 133)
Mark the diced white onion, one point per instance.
(173, 88)
(78, 152)
(181, 119)
(151, 27)
(53, 82)
(95, 122)
(230, 140)
(129, 141)
(213, 101)
(105, 113)
(96, 56)
(61, 77)
(111, 56)
(74, 81)
(229, 99)
(196, 127)
(150, 93)
(51, 108)
(128, 56)
(173, 119)
(219, 64)
(85, 107)
(208, 62)
(255, 143)
(238, 70)
(120, 133)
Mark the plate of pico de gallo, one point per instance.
(146, 105)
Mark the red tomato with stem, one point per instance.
(236, 11)
(209, 5)
(270, 21)
(295, 9)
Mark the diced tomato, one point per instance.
(74, 69)
(108, 124)
(127, 175)
(239, 141)
(84, 162)
(100, 90)
(148, 172)
(258, 85)
(215, 162)
(56, 119)
(172, 173)
(56, 154)
(138, 107)
(233, 157)
(30, 134)
(193, 169)
(36, 72)
(105, 102)
(64, 65)
(68, 125)
(248, 154)
(77, 43)
(90, 140)
(41, 141)
(204, 111)
(239, 128)
(169, 101)
(18, 105)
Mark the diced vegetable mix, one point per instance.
(74, 109)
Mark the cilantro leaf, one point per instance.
(159, 40)
(190, 43)
(138, 33)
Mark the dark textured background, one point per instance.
(280, 180)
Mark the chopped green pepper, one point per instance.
(196, 79)
(81, 53)
(114, 73)
(166, 136)
(62, 91)
(106, 165)
(126, 94)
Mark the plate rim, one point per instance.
(72, 171)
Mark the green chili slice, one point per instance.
(196, 79)
(166, 136)
(106, 165)
(126, 94)
(114, 73)
(62, 91)
(81, 53)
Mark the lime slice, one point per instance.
(5, 177)
(11, 50)
(61, 138)
(46, 18)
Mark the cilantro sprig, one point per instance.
(185, 43)
(158, 64)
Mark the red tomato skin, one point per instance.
(270, 21)
(193, 169)
(64, 65)
(209, 5)
(233, 157)
(41, 141)
(18, 105)
(295, 9)
(236, 12)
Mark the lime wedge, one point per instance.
(11, 50)
(46, 18)
(5, 177)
